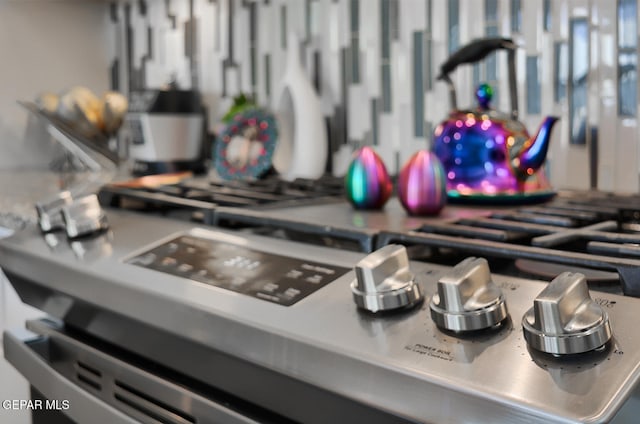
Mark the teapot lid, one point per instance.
(484, 95)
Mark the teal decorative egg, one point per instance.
(367, 183)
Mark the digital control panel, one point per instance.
(274, 278)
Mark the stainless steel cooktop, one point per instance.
(431, 361)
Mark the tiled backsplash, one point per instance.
(374, 64)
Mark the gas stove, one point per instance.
(595, 233)
(315, 312)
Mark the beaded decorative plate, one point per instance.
(244, 149)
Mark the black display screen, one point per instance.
(274, 278)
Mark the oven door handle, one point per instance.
(20, 349)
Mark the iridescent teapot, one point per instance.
(487, 154)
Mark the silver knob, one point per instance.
(384, 280)
(564, 319)
(467, 298)
(84, 216)
(50, 211)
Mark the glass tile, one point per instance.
(546, 15)
(561, 71)
(386, 87)
(395, 20)
(375, 110)
(627, 24)
(418, 84)
(533, 85)
(454, 28)
(627, 84)
(516, 16)
(428, 64)
(491, 10)
(476, 74)
(267, 75)
(355, 10)
(627, 57)
(385, 30)
(579, 72)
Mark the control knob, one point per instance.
(564, 319)
(467, 299)
(384, 281)
(84, 217)
(50, 211)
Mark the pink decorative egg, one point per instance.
(367, 183)
(422, 184)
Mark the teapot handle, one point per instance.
(474, 52)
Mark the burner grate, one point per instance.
(240, 205)
(205, 196)
(586, 232)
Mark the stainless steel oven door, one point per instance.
(102, 388)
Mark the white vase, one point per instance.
(302, 147)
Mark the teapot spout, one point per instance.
(535, 150)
